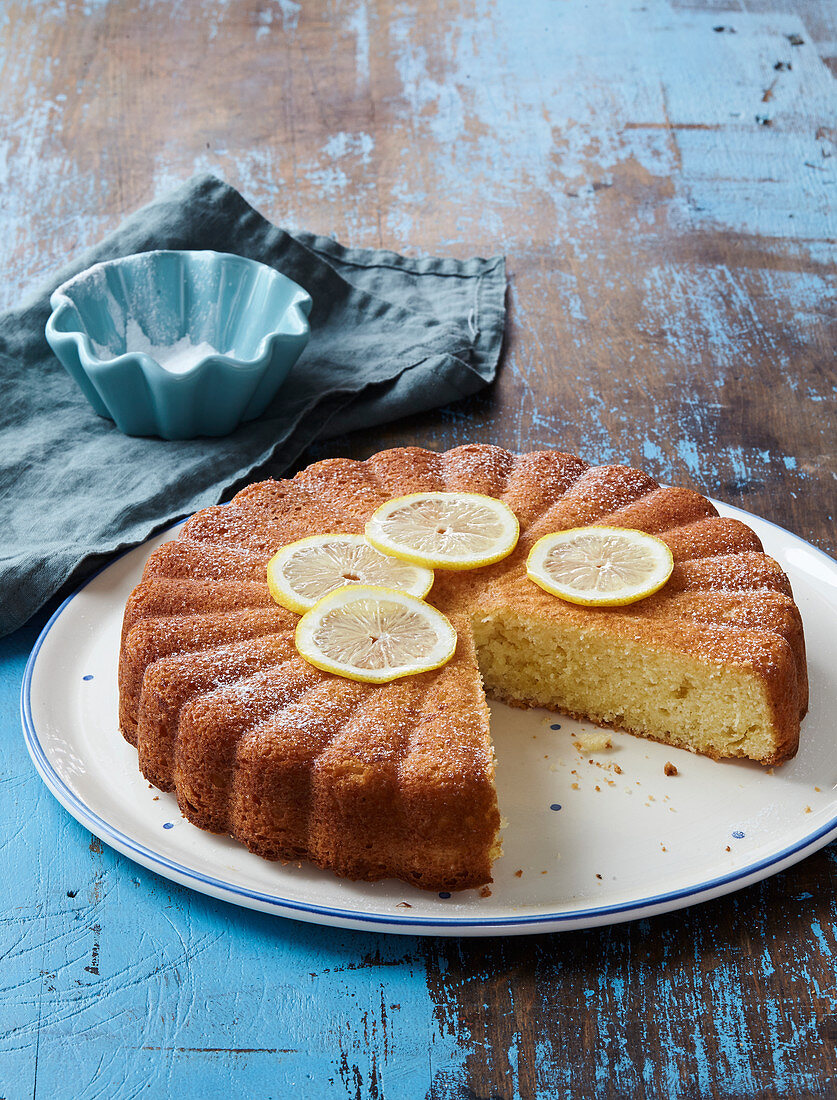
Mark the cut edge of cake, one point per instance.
(732, 701)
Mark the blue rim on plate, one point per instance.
(227, 891)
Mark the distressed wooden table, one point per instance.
(661, 176)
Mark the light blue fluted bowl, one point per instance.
(113, 325)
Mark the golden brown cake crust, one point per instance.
(398, 780)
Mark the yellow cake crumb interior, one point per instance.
(680, 700)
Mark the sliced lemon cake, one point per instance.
(397, 779)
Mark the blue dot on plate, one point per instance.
(555, 806)
(168, 824)
(444, 894)
(738, 834)
(555, 727)
(87, 677)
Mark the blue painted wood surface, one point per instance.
(661, 176)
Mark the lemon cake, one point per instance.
(397, 779)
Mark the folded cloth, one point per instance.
(389, 336)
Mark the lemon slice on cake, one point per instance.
(303, 572)
(600, 566)
(444, 530)
(374, 635)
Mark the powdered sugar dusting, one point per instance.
(175, 358)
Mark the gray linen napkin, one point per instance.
(389, 336)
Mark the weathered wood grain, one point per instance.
(661, 176)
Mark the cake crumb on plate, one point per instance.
(594, 741)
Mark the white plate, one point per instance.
(585, 845)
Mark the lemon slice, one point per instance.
(600, 566)
(374, 635)
(305, 571)
(444, 530)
